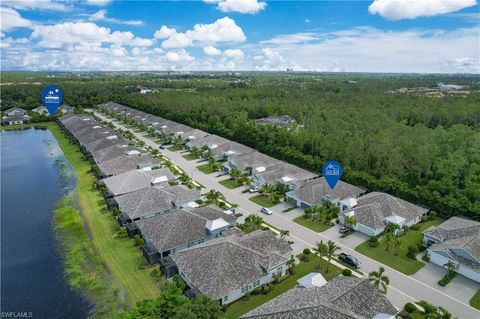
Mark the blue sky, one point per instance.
(354, 36)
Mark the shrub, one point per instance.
(138, 240)
(156, 273)
(337, 221)
(424, 219)
(373, 241)
(306, 251)
(122, 232)
(347, 272)
(410, 307)
(303, 258)
(426, 258)
(412, 251)
(415, 227)
(115, 211)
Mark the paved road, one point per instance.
(402, 288)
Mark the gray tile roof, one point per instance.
(16, 117)
(281, 121)
(254, 160)
(229, 263)
(458, 234)
(285, 172)
(374, 207)
(193, 134)
(154, 200)
(115, 151)
(104, 143)
(213, 141)
(315, 190)
(135, 180)
(180, 227)
(126, 163)
(15, 110)
(341, 298)
(455, 227)
(231, 149)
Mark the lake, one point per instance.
(31, 184)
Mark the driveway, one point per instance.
(351, 241)
(460, 287)
(402, 288)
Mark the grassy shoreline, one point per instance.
(123, 261)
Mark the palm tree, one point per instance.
(450, 267)
(195, 151)
(284, 233)
(321, 251)
(379, 280)
(388, 240)
(268, 191)
(234, 173)
(281, 188)
(350, 221)
(244, 180)
(254, 221)
(248, 170)
(397, 243)
(214, 196)
(331, 248)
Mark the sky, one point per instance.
(404, 36)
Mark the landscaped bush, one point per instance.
(347, 272)
(303, 258)
(306, 251)
(373, 241)
(138, 240)
(412, 251)
(156, 273)
(424, 219)
(115, 211)
(122, 232)
(426, 258)
(410, 307)
(447, 278)
(415, 227)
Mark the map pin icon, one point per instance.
(332, 171)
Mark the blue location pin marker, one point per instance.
(332, 171)
(52, 98)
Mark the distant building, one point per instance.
(278, 121)
(64, 109)
(143, 89)
(42, 110)
(15, 115)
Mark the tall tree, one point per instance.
(379, 280)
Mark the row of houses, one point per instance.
(212, 256)
(16, 115)
(200, 243)
(372, 211)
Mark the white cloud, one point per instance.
(101, 15)
(178, 56)
(99, 2)
(234, 53)
(222, 30)
(291, 38)
(411, 9)
(210, 50)
(164, 32)
(11, 19)
(83, 33)
(241, 6)
(366, 49)
(35, 5)
(306, 21)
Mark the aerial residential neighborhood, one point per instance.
(224, 159)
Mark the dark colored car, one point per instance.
(349, 259)
(343, 229)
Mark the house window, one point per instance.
(244, 289)
(256, 283)
(173, 250)
(225, 298)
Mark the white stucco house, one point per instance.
(456, 240)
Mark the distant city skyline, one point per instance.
(390, 36)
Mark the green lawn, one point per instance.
(230, 183)
(25, 126)
(475, 301)
(262, 201)
(241, 307)
(175, 148)
(206, 169)
(312, 225)
(400, 262)
(119, 255)
(158, 141)
(190, 157)
(149, 135)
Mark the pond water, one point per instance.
(32, 280)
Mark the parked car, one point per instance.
(350, 260)
(343, 229)
(253, 189)
(266, 211)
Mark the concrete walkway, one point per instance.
(402, 288)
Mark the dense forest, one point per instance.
(420, 148)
